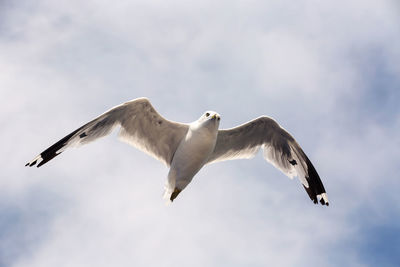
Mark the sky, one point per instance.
(327, 71)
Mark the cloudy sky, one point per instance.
(328, 71)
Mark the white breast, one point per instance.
(191, 155)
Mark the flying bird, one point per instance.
(186, 148)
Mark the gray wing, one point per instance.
(279, 148)
(141, 126)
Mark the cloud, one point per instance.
(325, 71)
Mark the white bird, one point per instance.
(186, 148)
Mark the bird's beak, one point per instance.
(214, 117)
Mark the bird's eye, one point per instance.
(207, 114)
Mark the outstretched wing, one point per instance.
(280, 149)
(141, 126)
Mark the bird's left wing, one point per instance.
(141, 126)
(279, 147)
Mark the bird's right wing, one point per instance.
(141, 126)
(280, 149)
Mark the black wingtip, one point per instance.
(315, 186)
(30, 164)
(52, 151)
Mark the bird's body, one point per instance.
(192, 153)
(186, 148)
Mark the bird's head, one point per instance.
(209, 119)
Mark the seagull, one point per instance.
(186, 148)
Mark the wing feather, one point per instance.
(141, 126)
(279, 148)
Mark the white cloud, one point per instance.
(303, 63)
